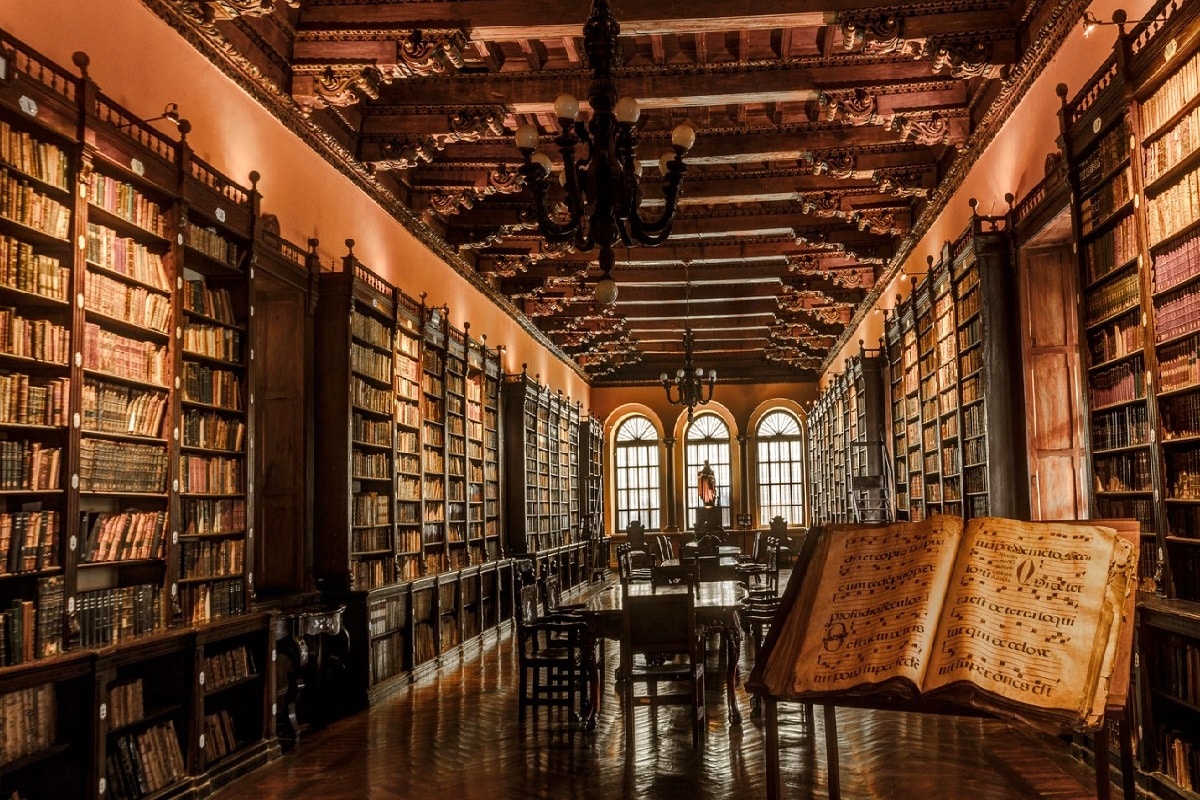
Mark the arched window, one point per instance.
(637, 474)
(707, 440)
(780, 450)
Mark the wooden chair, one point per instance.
(635, 534)
(552, 651)
(659, 547)
(660, 645)
(673, 574)
(633, 565)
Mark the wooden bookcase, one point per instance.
(1133, 155)
(591, 467)
(542, 462)
(844, 428)
(955, 386)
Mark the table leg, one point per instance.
(733, 650)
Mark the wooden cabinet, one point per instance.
(1134, 168)
(955, 387)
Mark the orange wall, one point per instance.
(1013, 162)
(740, 400)
(143, 64)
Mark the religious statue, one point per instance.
(707, 486)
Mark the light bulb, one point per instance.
(566, 107)
(627, 110)
(699, 372)
(663, 377)
(606, 291)
(527, 137)
(684, 136)
(543, 160)
(712, 375)
(679, 373)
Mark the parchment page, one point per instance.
(1028, 614)
(876, 605)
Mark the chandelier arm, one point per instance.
(555, 232)
(656, 231)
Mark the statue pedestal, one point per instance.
(708, 519)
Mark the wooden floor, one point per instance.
(456, 735)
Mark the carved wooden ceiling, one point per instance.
(826, 131)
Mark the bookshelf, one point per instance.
(457, 554)
(955, 383)
(541, 456)
(355, 446)
(217, 414)
(591, 480)
(1133, 156)
(433, 438)
(409, 556)
(844, 427)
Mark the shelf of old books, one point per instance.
(491, 453)
(355, 445)
(1141, 277)
(215, 571)
(433, 438)
(457, 554)
(477, 542)
(409, 557)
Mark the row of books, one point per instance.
(212, 559)
(104, 466)
(370, 508)
(370, 362)
(125, 201)
(29, 541)
(22, 203)
(112, 408)
(1174, 209)
(205, 516)
(1180, 416)
(126, 704)
(1120, 427)
(109, 616)
(1096, 209)
(1123, 472)
(1177, 313)
(25, 270)
(370, 464)
(1183, 521)
(213, 342)
(220, 736)
(211, 475)
(141, 764)
(370, 540)
(130, 303)
(370, 574)
(105, 351)
(1109, 152)
(33, 401)
(1116, 296)
(370, 431)
(213, 387)
(1177, 262)
(387, 614)
(32, 629)
(29, 466)
(370, 330)
(207, 601)
(1179, 365)
(216, 304)
(1174, 146)
(1179, 756)
(1121, 383)
(1117, 340)
(370, 398)
(387, 657)
(37, 339)
(212, 244)
(1182, 86)
(28, 721)
(109, 250)
(123, 536)
(213, 431)
(41, 160)
(1113, 249)
(229, 666)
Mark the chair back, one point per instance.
(779, 528)
(660, 547)
(551, 591)
(709, 545)
(636, 535)
(661, 622)
(771, 559)
(673, 575)
(710, 568)
(526, 611)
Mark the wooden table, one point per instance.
(718, 607)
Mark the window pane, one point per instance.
(636, 474)
(780, 449)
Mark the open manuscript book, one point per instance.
(1019, 619)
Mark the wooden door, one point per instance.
(1050, 345)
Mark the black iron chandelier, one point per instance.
(603, 193)
(692, 387)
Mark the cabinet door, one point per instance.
(1050, 344)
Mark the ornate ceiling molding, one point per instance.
(902, 181)
(232, 9)
(319, 86)
(425, 53)
(964, 57)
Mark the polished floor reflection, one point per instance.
(456, 735)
